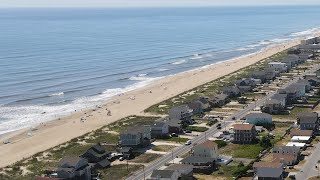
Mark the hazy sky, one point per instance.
(148, 3)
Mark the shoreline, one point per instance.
(45, 136)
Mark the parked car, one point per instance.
(219, 127)
(121, 158)
(187, 131)
(188, 142)
(226, 132)
(219, 124)
(174, 135)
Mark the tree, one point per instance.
(265, 142)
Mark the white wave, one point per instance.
(57, 94)
(244, 48)
(140, 77)
(264, 42)
(163, 69)
(196, 56)
(279, 40)
(18, 117)
(308, 32)
(179, 62)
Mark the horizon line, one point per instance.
(177, 6)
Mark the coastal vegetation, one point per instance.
(212, 87)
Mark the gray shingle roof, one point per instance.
(197, 159)
(279, 96)
(162, 173)
(308, 117)
(136, 130)
(258, 115)
(178, 167)
(69, 161)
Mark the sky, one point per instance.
(150, 3)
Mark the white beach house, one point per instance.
(278, 66)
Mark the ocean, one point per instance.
(56, 61)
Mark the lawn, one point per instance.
(124, 123)
(145, 158)
(163, 148)
(293, 113)
(120, 171)
(221, 143)
(176, 139)
(250, 151)
(231, 170)
(197, 128)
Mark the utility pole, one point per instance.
(127, 165)
(318, 168)
(144, 174)
(172, 157)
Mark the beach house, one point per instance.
(244, 133)
(218, 100)
(308, 121)
(268, 170)
(305, 83)
(258, 118)
(175, 125)
(97, 154)
(74, 168)
(259, 75)
(135, 136)
(160, 129)
(298, 132)
(232, 91)
(184, 169)
(292, 150)
(206, 149)
(196, 106)
(276, 104)
(200, 164)
(164, 175)
(286, 159)
(203, 157)
(182, 112)
(278, 66)
(271, 74)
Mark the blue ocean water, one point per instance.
(59, 60)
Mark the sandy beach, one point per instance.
(50, 134)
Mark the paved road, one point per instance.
(309, 168)
(142, 174)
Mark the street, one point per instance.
(309, 168)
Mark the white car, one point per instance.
(188, 142)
